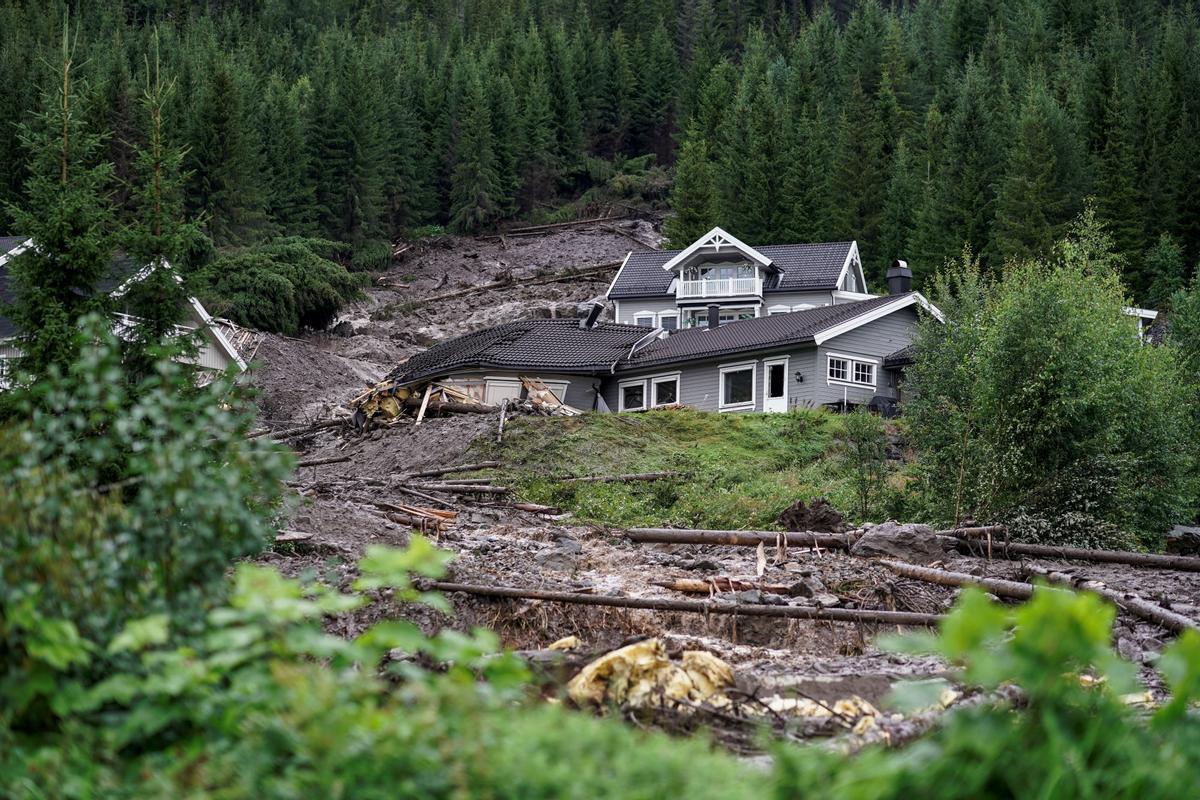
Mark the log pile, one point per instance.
(390, 403)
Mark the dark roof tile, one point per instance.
(558, 344)
(796, 327)
(802, 267)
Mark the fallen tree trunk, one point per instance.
(437, 471)
(316, 462)
(452, 406)
(720, 584)
(629, 478)
(509, 283)
(1013, 549)
(453, 488)
(975, 533)
(742, 538)
(292, 536)
(1129, 602)
(697, 606)
(535, 508)
(1016, 590)
(553, 226)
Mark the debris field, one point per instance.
(726, 631)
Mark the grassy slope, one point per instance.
(737, 470)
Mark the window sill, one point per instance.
(850, 384)
(737, 407)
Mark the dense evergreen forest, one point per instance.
(914, 128)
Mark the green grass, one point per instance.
(737, 470)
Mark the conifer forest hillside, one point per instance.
(915, 128)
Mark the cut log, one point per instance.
(720, 584)
(316, 462)
(1015, 550)
(1016, 590)
(535, 508)
(697, 606)
(465, 482)
(291, 536)
(424, 403)
(427, 497)
(500, 427)
(553, 226)
(435, 472)
(1135, 605)
(630, 478)
(451, 406)
(741, 538)
(508, 283)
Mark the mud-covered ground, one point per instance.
(311, 379)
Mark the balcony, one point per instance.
(719, 287)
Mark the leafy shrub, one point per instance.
(866, 458)
(1068, 737)
(1037, 397)
(284, 286)
(119, 502)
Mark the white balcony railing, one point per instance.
(720, 287)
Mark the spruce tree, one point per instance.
(1029, 208)
(158, 237)
(693, 194)
(1163, 273)
(1118, 202)
(475, 186)
(854, 202)
(67, 214)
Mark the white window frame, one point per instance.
(773, 310)
(668, 314)
(738, 367)
(863, 366)
(804, 306)
(850, 365)
(652, 393)
(700, 315)
(645, 315)
(621, 386)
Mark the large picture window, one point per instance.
(737, 387)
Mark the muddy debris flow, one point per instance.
(310, 379)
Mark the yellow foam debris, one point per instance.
(566, 643)
(641, 674)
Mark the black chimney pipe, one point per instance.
(714, 316)
(593, 314)
(899, 277)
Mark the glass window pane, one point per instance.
(666, 392)
(633, 396)
(837, 369)
(670, 323)
(645, 322)
(739, 386)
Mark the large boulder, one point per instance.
(820, 516)
(914, 543)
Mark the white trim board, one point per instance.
(716, 239)
(914, 298)
(617, 277)
(852, 257)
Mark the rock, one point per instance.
(1184, 540)
(909, 542)
(562, 556)
(749, 596)
(826, 601)
(771, 599)
(704, 564)
(808, 587)
(820, 516)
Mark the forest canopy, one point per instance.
(911, 127)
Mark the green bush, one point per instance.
(1037, 398)
(119, 502)
(284, 286)
(372, 255)
(1062, 736)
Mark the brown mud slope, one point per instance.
(305, 380)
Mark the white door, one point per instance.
(775, 385)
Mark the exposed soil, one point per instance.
(311, 379)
